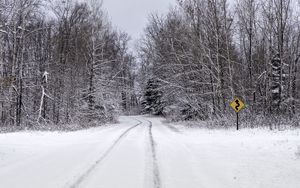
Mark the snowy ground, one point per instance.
(143, 152)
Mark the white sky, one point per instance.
(131, 15)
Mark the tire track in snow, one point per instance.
(103, 156)
(156, 174)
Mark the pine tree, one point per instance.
(152, 102)
(276, 86)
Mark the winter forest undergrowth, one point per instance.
(63, 65)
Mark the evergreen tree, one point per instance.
(276, 86)
(152, 102)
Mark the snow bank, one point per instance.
(248, 158)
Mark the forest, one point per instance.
(204, 53)
(62, 62)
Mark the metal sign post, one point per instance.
(237, 121)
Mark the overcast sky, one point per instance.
(131, 15)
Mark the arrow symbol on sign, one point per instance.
(238, 104)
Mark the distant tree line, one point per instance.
(204, 53)
(61, 62)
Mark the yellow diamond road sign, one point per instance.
(237, 105)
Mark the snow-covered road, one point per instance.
(144, 152)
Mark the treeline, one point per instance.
(204, 53)
(60, 63)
